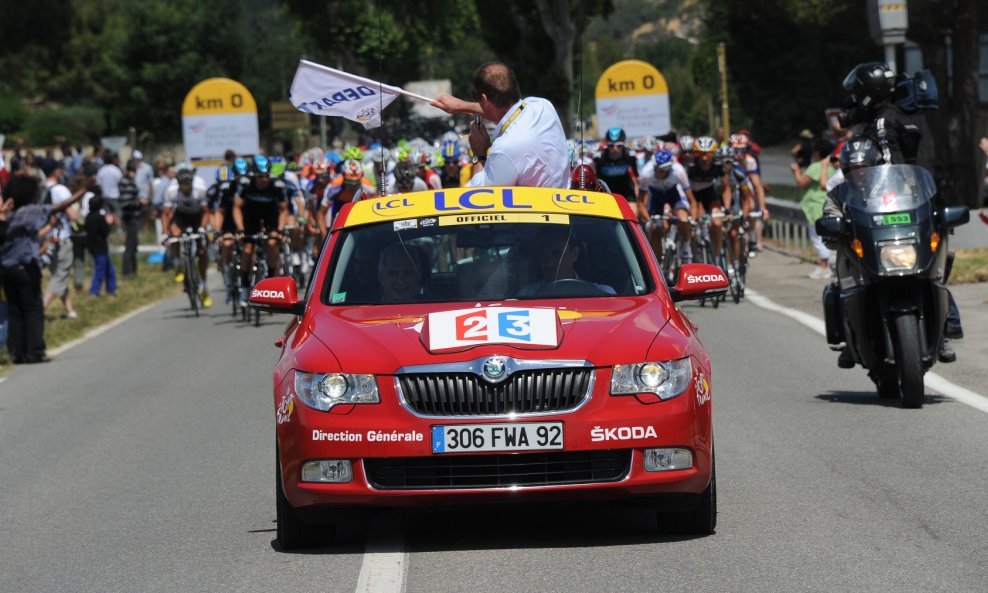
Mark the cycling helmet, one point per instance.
(320, 167)
(869, 83)
(451, 149)
(353, 171)
(380, 155)
(738, 142)
(438, 160)
(185, 175)
(278, 166)
(859, 152)
(262, 166)
(353, 154)
(405, 176)
(664, 160)
(705, 145)
(240, 166)
(686, 143)
(584, 177)
(615, 135)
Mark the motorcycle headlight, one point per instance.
(322, 391)
(665, 379)
(898, 257)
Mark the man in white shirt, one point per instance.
(108, 177)
(529, 146)
(144, 177)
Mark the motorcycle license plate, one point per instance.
(897, 218)
(469, 438)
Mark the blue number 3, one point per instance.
(517, 324)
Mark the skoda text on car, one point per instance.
(476, 344)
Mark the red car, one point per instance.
(481, 344)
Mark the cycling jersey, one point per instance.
(338, 192)
(220, 197)
(706, 184)
(669, 190)
(432, 179)
(191, 203)
(739, 179)
(262, 206)
(619, 175)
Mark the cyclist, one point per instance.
(710, 187)
(666, 188)
(407, 179)
(450, 153)
(745, 156)
(740, 199)
(425, 172)
(686, 150)
(618, 169)
(260, 205)
(186, 207)
(221, 196)
(297, 210)
(341, 191)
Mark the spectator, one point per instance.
(108, 177)
(61, 253)
(130, 209)
(803, 151)
(21, 263)
(99, 221)
(79, 233)
(144, 178)
(812, 203)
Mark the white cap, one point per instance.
(138, 155)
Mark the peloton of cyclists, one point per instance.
(260, 206)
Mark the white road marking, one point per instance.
(932, 380)
(385, 560)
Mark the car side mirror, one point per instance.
(954, 216)
(699, 281)
(277, 295)
(830, 226)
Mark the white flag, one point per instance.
(321, 90)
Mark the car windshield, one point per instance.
(441, 260)
(888, 188)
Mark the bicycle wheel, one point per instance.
(734, 285)
(192, 283)
(708, 255)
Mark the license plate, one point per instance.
(529, 436)
(897, 218)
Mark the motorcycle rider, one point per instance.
(871, 101)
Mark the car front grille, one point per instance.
(466, 394)
(497, 471)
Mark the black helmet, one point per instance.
(859, 152)
(869, 83)
(405, 176)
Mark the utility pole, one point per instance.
(888, 21)
(725, 112)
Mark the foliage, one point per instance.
(12, 114)
(78, 125)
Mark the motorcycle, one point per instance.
(889, 303)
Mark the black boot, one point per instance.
(845, 360)
(946, 353)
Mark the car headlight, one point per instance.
(898, 257)
(665, 379)
(322, 391)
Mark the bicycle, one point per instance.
(293, 263)
(703, 250)
(189, 244)
(258, 271)
(233, 273)
(670, 260)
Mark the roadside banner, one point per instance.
(633, 95)
(321, 90)
(218, 114)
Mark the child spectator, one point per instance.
(98, 225)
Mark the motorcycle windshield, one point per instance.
(888, 188)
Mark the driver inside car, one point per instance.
(556, 254)
(401, 273)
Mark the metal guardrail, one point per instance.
(787, 225)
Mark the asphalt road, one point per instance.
(143, 460)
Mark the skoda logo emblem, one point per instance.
(495, 369)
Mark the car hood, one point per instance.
(381, 339)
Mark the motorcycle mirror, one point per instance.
(954, 216)
(830, 226)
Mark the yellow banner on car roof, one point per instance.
(483, 200)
